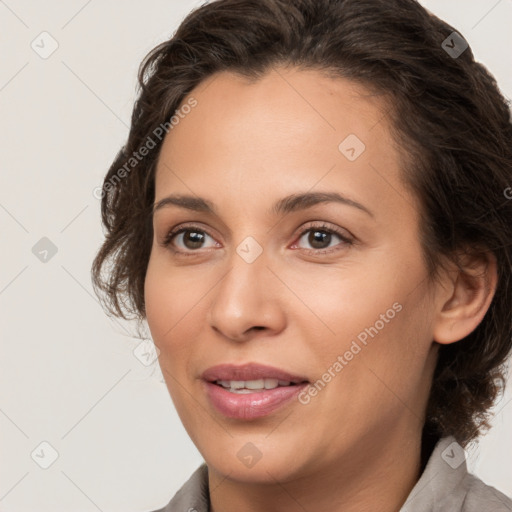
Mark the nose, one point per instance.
(247, 300)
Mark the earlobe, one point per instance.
(473, 289)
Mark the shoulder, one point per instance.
(193, 496)
(447, 486)
(480, 497)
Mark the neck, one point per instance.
(377, 477)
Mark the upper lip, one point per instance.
(249, 371)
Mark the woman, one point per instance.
(311, 214)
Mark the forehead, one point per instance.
(296, 102)
(289, 129)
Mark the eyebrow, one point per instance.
(288, 204)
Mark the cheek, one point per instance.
(174, 301)
(157, 303)
(164, 309)
(371, 318)
(165, 301)
(340, 303)
(388, 359)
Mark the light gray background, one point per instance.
(68, 374)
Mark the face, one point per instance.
(330, 289)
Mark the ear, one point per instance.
(466, 298)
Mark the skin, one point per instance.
(356, 445)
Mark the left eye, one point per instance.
(320, 238)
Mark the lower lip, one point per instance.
(248, 406)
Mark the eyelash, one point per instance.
(167, 242)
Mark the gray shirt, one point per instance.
(444, 486)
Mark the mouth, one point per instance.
(252, 386)
(250, 391)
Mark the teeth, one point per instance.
(246, 386)
(255, 384)
(272, 383)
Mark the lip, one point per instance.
(249, 371)
(249, 406)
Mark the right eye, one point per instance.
(187, 238)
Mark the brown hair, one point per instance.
(448, 117)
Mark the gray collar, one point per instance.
(446, 485)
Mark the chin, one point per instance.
(253, 459)
(263, 472)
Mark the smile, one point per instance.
(250, 390)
